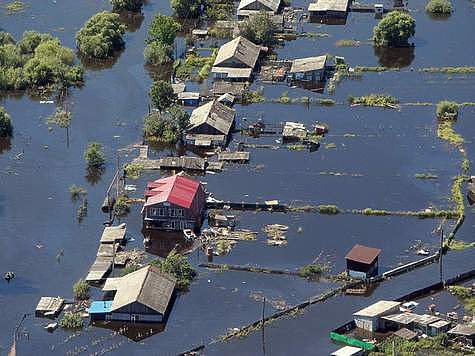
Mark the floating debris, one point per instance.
(276, 234)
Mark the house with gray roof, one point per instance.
(251, 7)
(308, 69)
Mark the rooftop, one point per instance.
(308, 64)
(101, 306)
(363, 254)
(329, 5)
(406, 334)
(402, 318)
(215, 114)
(377, 308)
(463, 329)
(347, 351)
(112, 234)
(440, 324)
(272, 5)
(178, 189)
(241, 49)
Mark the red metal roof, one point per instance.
(178, 190)
(363, 254)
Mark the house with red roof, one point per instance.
(174, 203)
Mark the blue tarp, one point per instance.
(98, 307)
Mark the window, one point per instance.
(153, 211)
(179, 212)
(162, 211)
(175, 224)
(134, 317)
(172, 213)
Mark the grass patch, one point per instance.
(133, 170)
(71, 321)
(371, 69)
(446, 132)
(439, 7)
(347, 43)
(456, 195)
(253, 97)
(447, 110)
(406, 347)
(195, 67)
(311, 271)
(326, 102)
(381, 100)
(284, 98)
(426, 176)
(328, 209)
(459, 245)
(15, 6)
(296, 147)
(449, 70)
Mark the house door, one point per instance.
(134, 318)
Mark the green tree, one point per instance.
(6, 38)
(394, 30)
(179, 267)
(81, 290)
(31, 40)
(259, 29)
(127, 5)
(157, 53)
(166, 127)
(6, 128)
(101, 36)
(162, 95)
(188, 9)
(439, 7)
(447, 110)
(163, 29)
(94, 156)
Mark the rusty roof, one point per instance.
(363, 254)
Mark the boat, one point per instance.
(422, 252)
(189, 234)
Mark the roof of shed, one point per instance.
(308, 64)
(240, 48)
(463, 329)
(112, 234)
(329, 5)
(347, 351)
(215, 114)
(406, 334)
(233, 72)
(363, 254)
(178, 190)
(270, 4)
(147, 286)
(377, 308)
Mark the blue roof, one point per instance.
(102, 306)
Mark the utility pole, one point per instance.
(263, 324)
(441, 254)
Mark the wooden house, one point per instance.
(210, 125)
(251, 7)
(362, 262)
(236, 60)
(464, 333)
(141, 296)
(189, 98)
(370, 318)
(328, 8)
(308, 69)
(174, 203)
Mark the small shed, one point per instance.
(406, 334)
(439, 327)
(227, 99)
(362, 261)
(464, 332)
(370, 318)
(189, 98)
(49, 307)
(252, 7)
(178, 88)
(294, 131)
(113, 234)
(348, 351)
(308, 69)
(329, 8)
(422, 324)
(399, 320)
(200, 33)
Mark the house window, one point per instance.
(162, 211)
(179, 213)
(134, 317)
(175, 225)
(153, 211)
(172, 213)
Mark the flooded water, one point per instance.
(377, 154)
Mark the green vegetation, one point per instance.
(341, 72)
(77, 192)
(179, 267)
(36, 60)
(101, 36)
(382, 100)
(465, 294)
(187, 9)
(439, 7)
(61, 117)
(6, 127)
(449, 70)
(326, 102)
(166, 127)
(347, 43)
(405, 347)
(162, 95)
(195, 67)
(447, 110)
(94, 156)
(369, 211)
(394, 29)
(15, 6)
(259, 29)
(157, 54)
(465, 165)
(127, 5)
(161, 36)
(373, 69)
(253, 97)
(133, 170)
(311, 271)
(426, 176)
(284, 98)
(81, 290)
(219, 9)
(456, 195)
(446, 132)
(82, 210)
(71, 321)
(459, 245)
(129, 269)
(121, 207)
(6, 38)
(328, 209)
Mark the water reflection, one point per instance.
(161, 72)
(161, 243)
(135, 331)
(395, 57)
(99, 64)
(5, 144)
(131, 20)
(439, 17)
(94, 174)
(328, 20)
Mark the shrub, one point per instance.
(31, 40)
(133, 170)
(101, 36)
(189, 9)
(162, 95)
(166, 127)
(178, 266)
(6, 128)
(259, 29)
(373, 100)
(71, 321)
(129, 269)
(94, 156)
(127, 5)
(311, 271)
(163, 30)
(121, 207)
(76, 192)
(156, 53)
(6, 38)
(328, 209)
(62, 118)
(447, 110)
(394, 30)
(81, 290)
(439, 7)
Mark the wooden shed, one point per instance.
(362, 262)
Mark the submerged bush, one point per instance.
(94, 156)
(76, 192)
(31, 40)
(101, 36)
(447, 110)
(157, 54)
(6, 128)
(373, 100)
(179, 267)
(133, 170)
(162, 95)
(81, 290)
(6, 38)
(394, 29)
(166, 127)
(163, 29)
(311, 271)
(71, 321)
(121, 207)
(259, 29)
(189, 9)
(127, 5)
(439, 7)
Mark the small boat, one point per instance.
(422, 252)
(189, 234)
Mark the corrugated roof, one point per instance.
(402, 318)
(113, 233)
(406, 334)
(215, 114)
(363, 254)
(308, 64)
(440, 324)
(272, 5)
(147, 286)
(329, 5)
(178, 190)
(347, 351)
(377, 308)
(233, 72)
(463, 329)
(241, 49)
